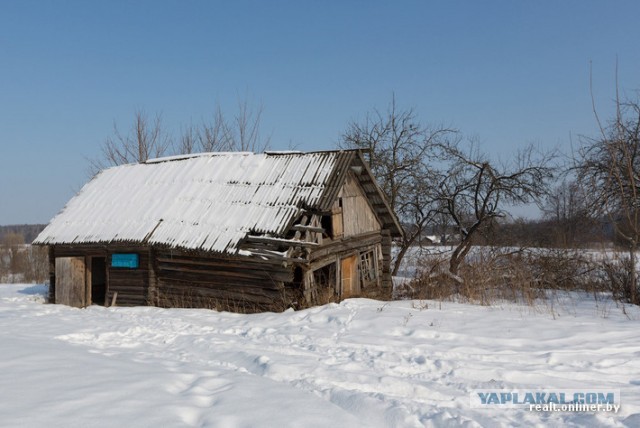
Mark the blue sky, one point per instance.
(506, 72)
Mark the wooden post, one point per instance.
(87, 281)
(376, 264)
(52, 275)
(152, 293)
(308, 286)
(387, 280)
(338, 277)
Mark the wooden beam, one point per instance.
(348, 244)
(307, 228)
(276, 257)
(280, 241)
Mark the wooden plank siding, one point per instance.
(175, 278)
(357, 214)
(70, 274)
(224, 283)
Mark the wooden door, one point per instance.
(349, 274)
(70, 281)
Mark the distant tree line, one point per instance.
(20, 261)
(28, 231)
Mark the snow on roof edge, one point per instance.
(194, 155)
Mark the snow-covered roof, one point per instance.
(207, 202)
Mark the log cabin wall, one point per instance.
(174, 278)
(241, 284)
(131, 284)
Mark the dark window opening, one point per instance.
(327, 224)
(298, 276)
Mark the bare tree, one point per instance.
(215, 135)
(473, 190)
(398, 148)
(14, 246)
(246, 134)
(189, 140)
(568, 210)
(610, 166)
(145, 140)
(241, 133)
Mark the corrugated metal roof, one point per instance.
(207, 202)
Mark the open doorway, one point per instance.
(98, 280)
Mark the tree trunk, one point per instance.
(399, 257)
(633, 291)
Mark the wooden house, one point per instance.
(238, 231)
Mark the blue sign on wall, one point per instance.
(123, 260)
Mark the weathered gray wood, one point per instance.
(114, 299)
(308, 287)
(265, 255)
(70, 281)
(358, 215)
(345, 245)
(320, 263)
(303, 228)
(238, 274)
(52, 275)
(153, 282)
(184, 294)
(280, 241)
(336, 222)
(244, 283)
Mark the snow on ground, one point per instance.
(358, 363)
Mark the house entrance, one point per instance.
(70, 281)
(81, 281)
(98, 280)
